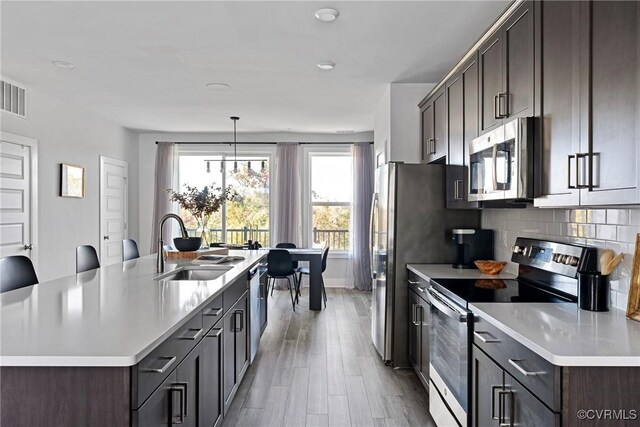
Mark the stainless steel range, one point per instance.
(547, 272)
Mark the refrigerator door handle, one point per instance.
(372, 236)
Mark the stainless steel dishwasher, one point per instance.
(258, 307)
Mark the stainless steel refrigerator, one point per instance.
(409, 224)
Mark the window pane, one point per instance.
(193, 171)
(331, 227)
(248, 218)
(331, 178)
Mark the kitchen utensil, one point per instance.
(489, 266)
(605, 258)
(613, 264)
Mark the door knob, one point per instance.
(105, 237)
(28, 247)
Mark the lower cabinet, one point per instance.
(419, 323)
(211, 390)
(235, 348)
(498, 399)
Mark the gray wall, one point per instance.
(70, 134)
(603, 228)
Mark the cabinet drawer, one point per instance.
(530, 369)
(158, 364)
(418, 284)
(212, 313)
(234, 292)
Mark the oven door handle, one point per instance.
(438, 301)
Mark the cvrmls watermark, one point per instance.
(607, 414)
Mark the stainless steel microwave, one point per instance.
(501, 163)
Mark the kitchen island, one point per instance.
(114, 346)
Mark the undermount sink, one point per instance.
(194, 273)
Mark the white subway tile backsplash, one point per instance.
(618, 216)
(614, 229)
(606, 232)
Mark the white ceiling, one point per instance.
(145, 64)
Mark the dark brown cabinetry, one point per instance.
(590, 108)
(462, 126)
(507, 70)
(419, 325)
(434, 122)
(498, 399)
(235, 350)
(610, 103)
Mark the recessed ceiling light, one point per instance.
(218, 87)
(326, 65)
(64, 64)
(327, 14)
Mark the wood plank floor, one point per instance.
(321, 369)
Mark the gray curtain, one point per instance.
(360, 214)
(287, 221)
(165, 161)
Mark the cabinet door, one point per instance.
(612, 82)
(427, 131)
(521, 408)
(490, 60)
(440, 145)
(424, 319)
(188, 376)
(560, 104)
(470, 91)
(487, 381)
(241, 311)
(519, 63)
(229, 357)
(211, 375)
(455, 120)
(160, 407)
(414, 331)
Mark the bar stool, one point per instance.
(129, 250)
(16, 272)
(86, 258)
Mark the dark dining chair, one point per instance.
(287, 245)
(129, 250)
(16, 272)
(280, 266)
(86, 258)
(306, 271)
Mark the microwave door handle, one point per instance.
(495, 168)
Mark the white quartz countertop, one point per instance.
(111, 316)
(446, 271)
(565, 335)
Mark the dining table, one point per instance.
(314, 257)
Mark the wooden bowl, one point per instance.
(489, 266)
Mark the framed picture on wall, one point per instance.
(71, 181)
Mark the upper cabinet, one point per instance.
(590, 127)
(434, 122)
(610, 139)
(507, 70)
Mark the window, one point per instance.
(330, 199)
(238, 221)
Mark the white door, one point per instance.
(18, 195)
(114, 212)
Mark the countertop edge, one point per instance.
(125, 361)
(563, 361)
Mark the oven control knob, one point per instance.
(571, 260)
(519, 249)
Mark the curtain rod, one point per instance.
(262, 143)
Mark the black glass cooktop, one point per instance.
(465, 291)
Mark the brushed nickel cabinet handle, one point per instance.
(194, 336)
(170, 361)
(478, 334)
(516, 364)
(214, 312)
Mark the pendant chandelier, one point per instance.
(263, 162)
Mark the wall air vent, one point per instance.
(13, 98)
